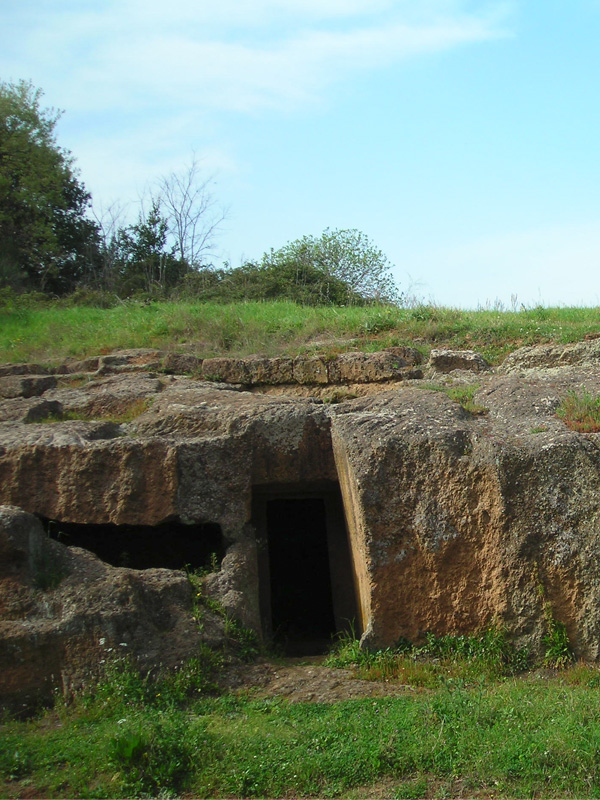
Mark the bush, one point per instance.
(345, 260)
(93, 298)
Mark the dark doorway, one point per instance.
(300, 579)
(172, 544)
(306, 581)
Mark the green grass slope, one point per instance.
(52, 332)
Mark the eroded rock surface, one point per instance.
(449, 360)
(63, 613)
(455, 521)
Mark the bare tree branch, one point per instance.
(110, 221)
(192, 212)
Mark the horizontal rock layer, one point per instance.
(395, 363)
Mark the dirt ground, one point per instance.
(301, 681)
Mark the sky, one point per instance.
(461, 136)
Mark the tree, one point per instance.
(345, 256)
(142, 257)
(192, 214)
(109, 223)
(46, 240)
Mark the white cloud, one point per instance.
(143, 80)
(234, 54)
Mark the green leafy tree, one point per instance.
(46, 240)
(143, 259)
(339, 256)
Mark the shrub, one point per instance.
(344, 263)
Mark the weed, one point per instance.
(538, 429)
(558, 653)
(241, 640)
(347, 651)
(384, 320)
(580, 411)
(194, 677)
(461, 657)
(424, 313)
(37, 329)
(463, 395)
(582, 674)
(14, 763)
(153, 754)
(412, 790)
(517, 738)
(244, 641)
(121, 686)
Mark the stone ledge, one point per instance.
(392, 364)
(449, 360)
(396, 363)
(20, 385)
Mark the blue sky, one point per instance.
(462, 136)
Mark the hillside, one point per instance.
(53, 331)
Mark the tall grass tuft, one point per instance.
(488, 654)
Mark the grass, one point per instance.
(133, 410)
(487, 655)
(580, 411)
(47, 332)
(463, 395)
(509, 737)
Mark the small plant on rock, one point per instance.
(240, 640)
(558, 652)
(580, 411)
(338, 395)
(463, 395)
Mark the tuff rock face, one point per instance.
(63, 613)
(454, 521)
